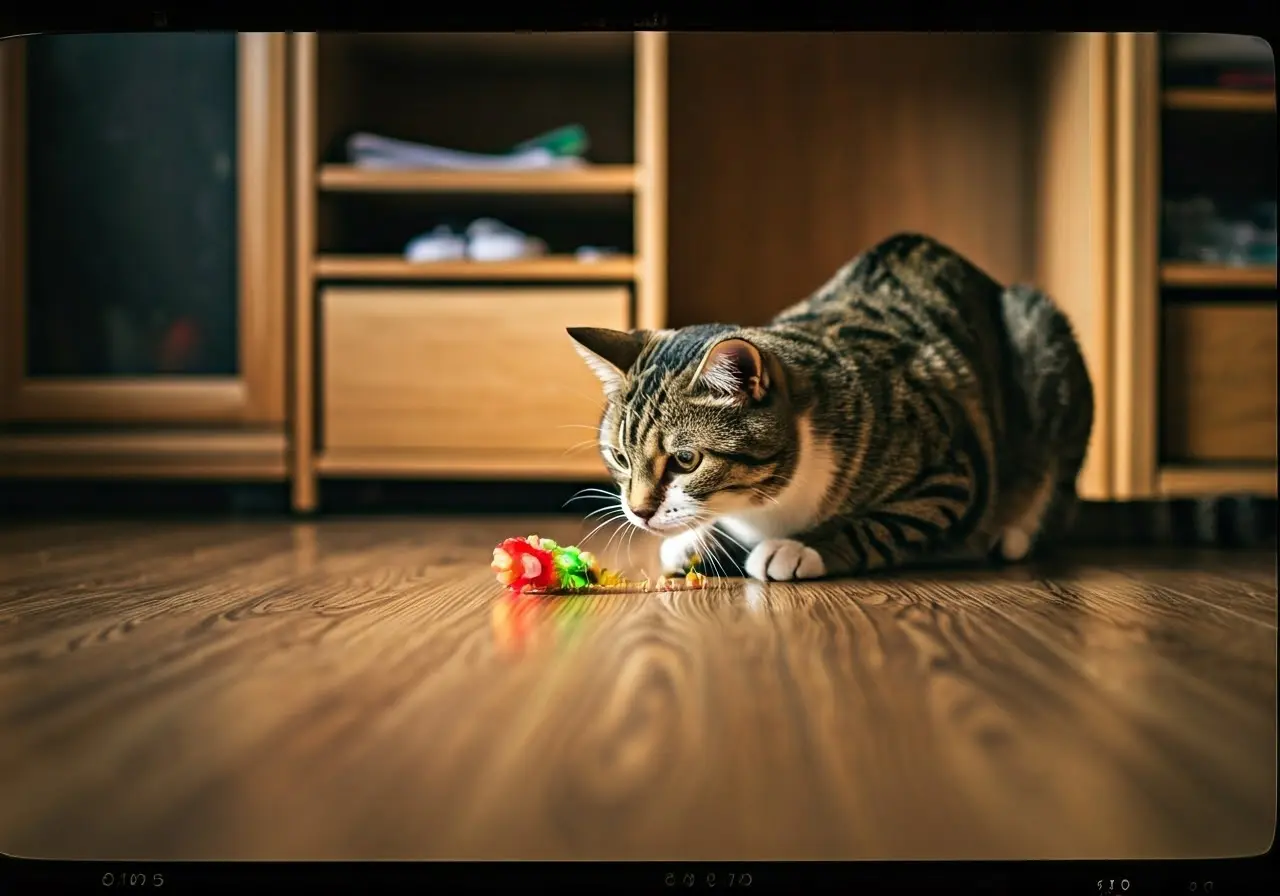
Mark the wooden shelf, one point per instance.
(553, 267)
(588, 179)
(1213, 99)
(1210, 276)
(1191, 481)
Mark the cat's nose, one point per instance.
(645, 513)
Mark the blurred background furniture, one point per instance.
(286, 335)
(142, 256)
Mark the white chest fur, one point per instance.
(799, 504)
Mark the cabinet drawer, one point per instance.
(461, 380)
(1219, 383)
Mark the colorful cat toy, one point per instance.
(536, 565)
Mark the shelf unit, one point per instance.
(351, 224)
(1196, 351)
(606, 179)
(1190, 275)
(1212, 99)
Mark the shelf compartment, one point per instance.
(547, 268)
(1191, 275)
(1212, 99)
(590, 179)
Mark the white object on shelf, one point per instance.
(386, 153)
(441, 244)
(588, 254)
(488, 239)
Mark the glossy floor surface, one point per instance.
(361, 689)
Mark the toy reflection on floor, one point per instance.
(526, 623)
(540, 566)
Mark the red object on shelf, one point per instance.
(1247, 80)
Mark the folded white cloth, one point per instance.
(595, 253)
(441, 244)
(488, 239)
(374, 151)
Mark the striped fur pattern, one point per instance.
(912, 410)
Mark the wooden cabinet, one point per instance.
(473, 382)
(143, 266)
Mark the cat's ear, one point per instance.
(609, 353)
(735, 371)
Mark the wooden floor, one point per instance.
(361, 689)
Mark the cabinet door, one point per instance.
(143, 228)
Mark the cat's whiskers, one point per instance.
(583, 494)
(606, 509)
(615, 534)
(580, 445)
(721, 533)
(707, 548)
(617, 515)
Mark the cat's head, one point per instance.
(696, 424)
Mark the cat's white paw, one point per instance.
(1014, 545)
(784, 560)
(676, 552)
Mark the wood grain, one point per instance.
(306, 112)
(1204, 480)
(487, 370)
(790, 152)
(1213, 99)
(360, 689)
(650, 212)
(1073, 171)
(590, 179)
(1212, 276)
(549, 267)
(1135, 294)
(1219, 382)
(190, 454)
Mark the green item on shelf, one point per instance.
(570, 140)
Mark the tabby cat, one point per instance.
(911, 410)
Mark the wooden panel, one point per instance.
(1135, 290)
(263, 263)
(1213, 276)
(145, 454)
(1072, 226)
(589, 179)
(1212, 99)
(1219, 383)
(455, 371)
(303, 342)
(550, 267)
(1204, 481)
(650, 215)
(791, 152)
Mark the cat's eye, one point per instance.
(686, 458)
(616, 458)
